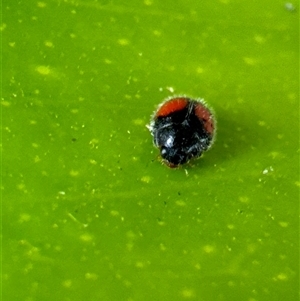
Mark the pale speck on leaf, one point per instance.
(49, 44)
(41, 4)
(261, 123)
(139, 264)
(2, 27)
(181, 203)
(74, 173)
(282, 277)
(267, 170)
(5, 103)
(146, 179)
(283, 224)
(86, 237)
(37, 159)
(290, 6)
(243, 199)
(44, 70)
(91, 276)
(67, 283)
(170, 89)
(161, 223)
(198, 266)
(138, 121)
(259, 39)
(162, 247)
(148, 2)
(276, 155)
(188, 293)
(123, 42)
(199, 70)
(208, 249)
(114, 213)
(250, 61)
(24, 217)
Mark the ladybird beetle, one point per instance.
(182, 129)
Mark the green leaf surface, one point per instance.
(88, 210)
